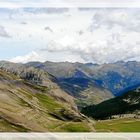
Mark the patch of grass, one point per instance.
(118, 125)
(37, 87)
(74, 127)
(7, 75)
(27, 93)
(53, 126)
(47, 102)
(7, 127)
(19, 100)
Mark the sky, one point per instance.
(97, 35)
(69, 3)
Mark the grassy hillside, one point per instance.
(28, 107)
(118, 125)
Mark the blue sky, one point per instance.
(98, 35)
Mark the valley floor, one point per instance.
(59, 127)
(118, 125)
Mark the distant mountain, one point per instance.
(74, 78)
(101, 81)
(26, 106)
(58, 69)
(66, 75)
(127, 103)
(115, 77)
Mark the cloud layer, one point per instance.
(112, 35)
(33, 56)
(95, 35)
(3, 32)
(69, 3)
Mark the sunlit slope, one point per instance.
(28, 107)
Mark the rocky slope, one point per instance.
(115, 77)
(89, 83)
(68, 76)
(75, 79)
(25, 106)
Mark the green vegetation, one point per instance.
(127, 103)
(73, 127)
(7, 76)
(47, 102)
(8, 127)
(37, 87)
(118, 125)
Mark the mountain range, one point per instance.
(88, 83)
(55, 92)
(115, 77)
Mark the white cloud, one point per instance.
(106, 35)
(33, 56)
(47, 56)
(128, 19)
(3, 32)
(114, 37)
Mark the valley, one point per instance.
(127, 103)
(52, 97)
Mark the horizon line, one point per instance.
(70, 62)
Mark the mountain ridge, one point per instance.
(114, 78)
(27, 107)
(73, 83)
